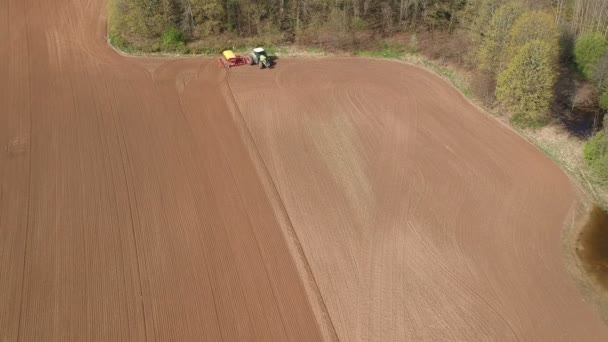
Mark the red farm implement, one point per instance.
(229, 60)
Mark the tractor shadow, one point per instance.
(273, 61)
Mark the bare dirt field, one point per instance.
(165, 199)
(421, 217)
(130, 208)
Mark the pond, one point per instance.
(593, 245)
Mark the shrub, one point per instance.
(604, 101)
(533, 25)
(599, 74)
(118, 42)
(172, 38)
(596, 156)
(588, 50)
(526, 86)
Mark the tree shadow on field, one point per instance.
(575, 102)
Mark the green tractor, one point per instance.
(260, 57)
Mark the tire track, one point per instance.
(290, 235)
(29, 178)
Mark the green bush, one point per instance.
(526, 86)
(172, 38)
(118, 42)
(530, 26)
(604, 101)
(588, 50)
(593, 147)
(596, 156)
(358, 24)
(599, 74)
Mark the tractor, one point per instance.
(260, 57)
(229, 59)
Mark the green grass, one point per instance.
(120, 44)
(604, 100)
(596, 156)
(116, 42)
(386, 50)
(273, 50)
(526, 121)
(451, 75)
(315, 51)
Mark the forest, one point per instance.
(327, 23)
(524, 55)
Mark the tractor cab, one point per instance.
(260, 51)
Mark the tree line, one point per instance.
(591, 57)
(519, 51)
(140, 23)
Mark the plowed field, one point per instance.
(166, 199)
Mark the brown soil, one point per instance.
(130, 208)
(421, 217)
(137, 202)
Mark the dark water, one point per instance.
(593, 245)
